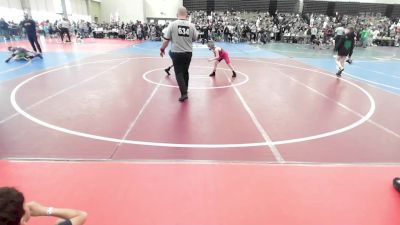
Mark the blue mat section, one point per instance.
(51, 59)
(383, 74)
(151, 48)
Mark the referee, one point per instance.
(30, 28)
(182, 34)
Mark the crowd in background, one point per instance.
(253, 27)
(130, 31)
(294, 28)
(84, 29)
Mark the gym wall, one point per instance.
(384, 7)
(138, 9)
(122, 10)
(162, 8)
(365, 1)
(43, 9)
(390, 8)
(246, 5)
(11, 10)
(95, 11)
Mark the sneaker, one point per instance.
(396, 183)
(167, 71)
(339, 72)
(212, 74)
(40, 55)
(183, 98)
(349, 61)
(234, 74)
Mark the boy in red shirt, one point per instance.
(220, 54)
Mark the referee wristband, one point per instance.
(50, 211)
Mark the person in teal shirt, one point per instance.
(365, 33)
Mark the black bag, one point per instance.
(98, 35)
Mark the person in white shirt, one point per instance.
(375, 35)
(397, 37)
(314, 32)
(339, 32)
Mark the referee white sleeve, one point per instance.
(168, 33)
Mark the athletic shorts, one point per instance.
(65, 222)
(343, 52)
(224, 57)
(313, 37)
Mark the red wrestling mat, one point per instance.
(131, 101)
(223, 194)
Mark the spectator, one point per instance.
(65, 27)
(314, 33)
(397, 36)
(245, 27)
(30, 27)
(14, 210)
(226, 34)
(4, 29)
(365, 37)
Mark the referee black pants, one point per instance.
(181, 61)
(65, 31)
(34, 42)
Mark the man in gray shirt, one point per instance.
(339, 32)
(181, 33)
(64, 27)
